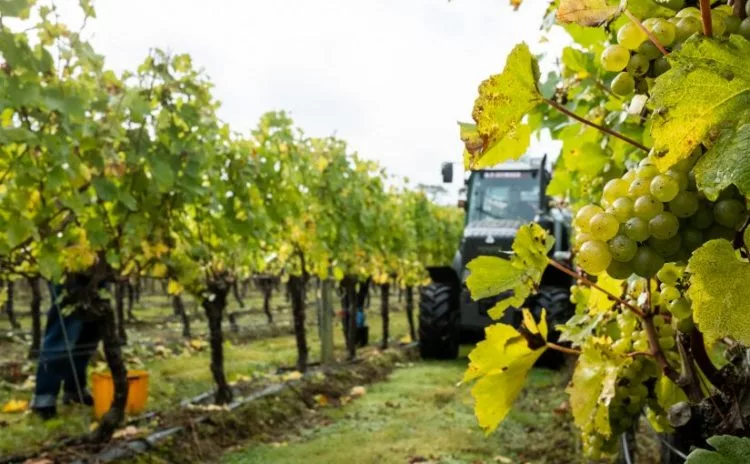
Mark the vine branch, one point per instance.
(588, 282)
(563, 349)
(606, 130)
(706, 17)
(648, 33)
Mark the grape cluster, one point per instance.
(648, 218)
(635, 58)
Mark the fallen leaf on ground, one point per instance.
(294, 375)
(357, 391)
(128, 432)
(15, 406)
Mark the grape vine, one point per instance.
(650, 105)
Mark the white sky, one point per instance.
(391, 77)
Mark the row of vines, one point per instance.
(650, 104)
(106, 178)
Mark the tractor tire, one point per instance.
(556, 302)
(439, 331)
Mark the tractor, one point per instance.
(498, 202)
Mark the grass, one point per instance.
(420, 413)
(179, 376)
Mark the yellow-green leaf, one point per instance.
(501, 363)
(504, 99)
(719, 291)
(599, 301)
(490, 275)
(593, 386)
(708, 84)
(587, 12)
(726, 163)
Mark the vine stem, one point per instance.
(706, 17)
(588, 282)
(653, 341)
(606, 130)
(650, 35)
(562, 349)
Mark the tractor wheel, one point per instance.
(556, 301)
(438, 323)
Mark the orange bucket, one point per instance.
(103, 391)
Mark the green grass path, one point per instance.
(420, 412)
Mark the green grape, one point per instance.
(661, 65)
(669, 293)
(686, 324)
(636, 229)
(689, 11)
(666, 343)
(646, 262)
(726, 9)
(639, 187)
(746, 237)
(729, 213)
(622, 85)
(668, 275)
(630, 36)
(649, 50)
(648, 171)
(732, 24)
(594, 256)
(619, 270)
(614, 189)
(686, 27)
(621, 346)
(628, 176)
(646, 207)
(622, 209)
(582, 237)
(640, 345)
(692, 238)
(680, 308)
(664, 31)
(718, 24)
(638, 65)
(622, 248)
(603, 226)
(664, 225)
(685, 204)
(744, 29)
(665, 247)
(584, 215)
(703, 217)
(672, 4)
(614, 58)
(682, 177)
(718, 231)
(664, 187)
(647, 161)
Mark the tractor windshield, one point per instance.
(498, 195)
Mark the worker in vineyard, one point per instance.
(68, 345)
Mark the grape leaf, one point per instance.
(708, 84)
(719, 291)
(593, 386)
(725, 163)
(501, 363)
(504, 99)
(491, 275)
(729, 450)
(587, 12)
(600, 302)
(643, 9)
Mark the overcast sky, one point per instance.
(391, 77)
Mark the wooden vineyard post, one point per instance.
(326, 321)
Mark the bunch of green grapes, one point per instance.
(647, 218)
(636, 59)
